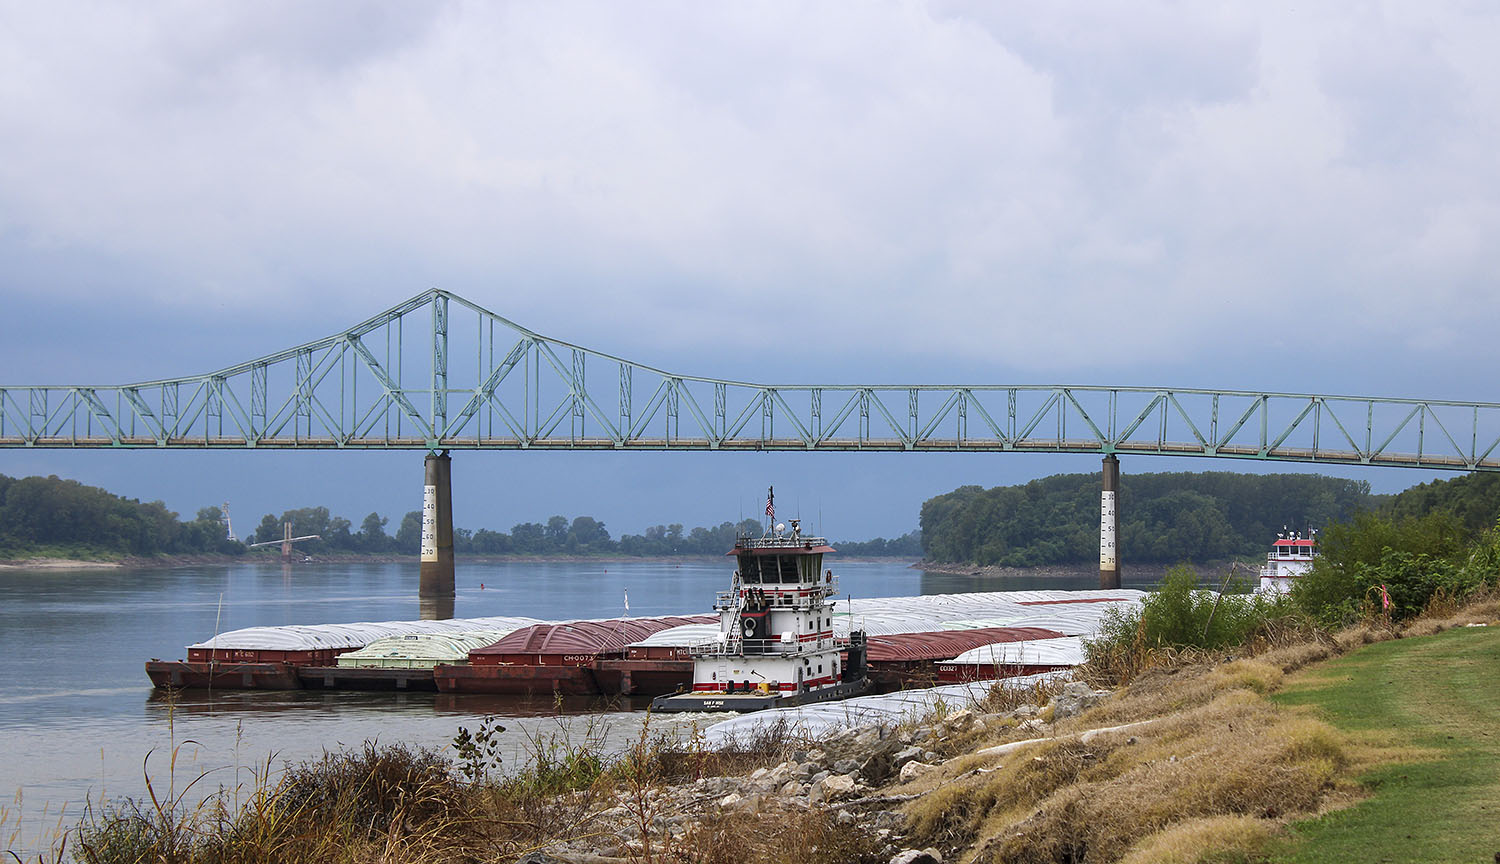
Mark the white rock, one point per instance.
(912, 770)
(731, 799)
(959, 720)
(1076, 697)
(838, 786)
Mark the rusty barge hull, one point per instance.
(215, 675)
(356, 678)
(598, 678)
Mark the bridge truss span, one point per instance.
(439, 372)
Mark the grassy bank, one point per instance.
(1440, 697)
(1387, 753)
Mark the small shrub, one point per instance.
(368, 787)
(1178, 620)
(478, 751)
(1257, 675)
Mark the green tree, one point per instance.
(268, 530)
(409, 535)
(588, 533)
(372, 536)
(528, 538)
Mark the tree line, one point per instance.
(559, 535)
(1164, 518)
(49, 515)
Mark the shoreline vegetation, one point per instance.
(1213, 519)
(1202, 728)
(75, 561)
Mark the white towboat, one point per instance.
(1290, 558)
(775, 645)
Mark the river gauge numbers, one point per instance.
(1108, 559)
(429, 523)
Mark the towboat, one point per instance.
(775, 645)
(1290, 558)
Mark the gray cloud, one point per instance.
(994, 184)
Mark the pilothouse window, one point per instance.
(787, 565)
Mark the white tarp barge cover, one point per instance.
(888, 709)
(1067, 651)
(312, 637)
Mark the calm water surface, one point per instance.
(78, 715)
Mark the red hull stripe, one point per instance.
(719, 686)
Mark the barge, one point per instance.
(276, 658)
(578, 658)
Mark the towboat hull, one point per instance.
(743, 702)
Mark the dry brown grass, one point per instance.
(1061, 801)
(1445, 613)
(776, 835)
(1001, 699)
(1210, 747)
(1204, 841)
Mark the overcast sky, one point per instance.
(1293, 197)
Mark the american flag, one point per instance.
(771, 503)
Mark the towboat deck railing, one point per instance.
(729, 601)
(753, 647)
(789, 542)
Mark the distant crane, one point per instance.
(228, 528)
(286, 541)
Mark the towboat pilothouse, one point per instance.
(1291, 557)
(775, 645)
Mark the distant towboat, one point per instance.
(1291, 557)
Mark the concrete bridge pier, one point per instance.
(1109, 524)
(435, 591)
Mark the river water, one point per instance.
(78, 716)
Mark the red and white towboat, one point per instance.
(1290, 558)
(775, 644)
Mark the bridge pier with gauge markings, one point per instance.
(1109, 524)
(436, 587)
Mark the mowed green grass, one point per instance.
(1440, 693)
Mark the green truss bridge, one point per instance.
(440, 373)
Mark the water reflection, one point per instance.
(435, 607)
